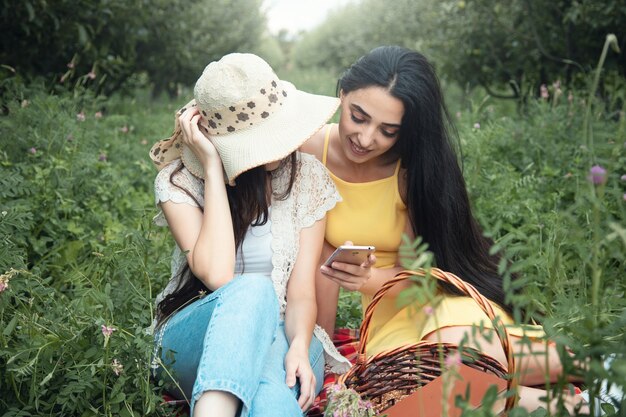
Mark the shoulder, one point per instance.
(403, 184)
(313, 192)
(309, 166)
(315, 144)
(165, 173)
(174, 182)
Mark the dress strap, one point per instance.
(395, 173)
(326, 142)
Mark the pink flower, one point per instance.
(453, 360)
(107, 331)
(544, 92)
(70, 65)
(32, 150)
(80, 116)
(3, 286)
(623, 177)
(476, 125)
(124, 129)
(102, 157)
(117, 367)
(335, 388)
(428, 310)
(98, 115)
(624, 196)
(597, 175)
(91, 75)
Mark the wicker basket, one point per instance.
(389, 376)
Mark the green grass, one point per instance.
(80, 251)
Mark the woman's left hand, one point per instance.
(298, 367)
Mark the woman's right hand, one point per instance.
(198, 142)
(350, 277)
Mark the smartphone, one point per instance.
(350, 255)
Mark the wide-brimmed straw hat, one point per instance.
(249, 114)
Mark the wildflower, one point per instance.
(80, 116)
(597, 175)
(107, 331)
(6, 277)
(124, 129)
(544, 92)
(624, 196)
(102, 157)
(70, 65)
(623, 177)
(144, 142)
(25, 103)
(568, 175)
(4, 213)
(98, 115)
(453, 360)
(117, 367)
(476, 125)
(32, 150)
(428, 310)
(334, 388)
(91, 75)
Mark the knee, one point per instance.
(254, 290)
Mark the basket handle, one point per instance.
(466, 289)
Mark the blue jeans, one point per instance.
(232, 340)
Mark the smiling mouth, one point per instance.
(357, 149)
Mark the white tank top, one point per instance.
(255, 253)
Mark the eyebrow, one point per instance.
(360, 110)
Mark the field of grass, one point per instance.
(79, 255)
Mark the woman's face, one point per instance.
(369, 124)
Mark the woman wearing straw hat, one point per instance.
(236, 330)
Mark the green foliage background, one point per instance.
(77, 245)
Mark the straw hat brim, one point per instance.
(273, 139)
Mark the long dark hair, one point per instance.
(248, 207)
(437, 200)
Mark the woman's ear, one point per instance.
(341, 94)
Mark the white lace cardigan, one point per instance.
(312, 195)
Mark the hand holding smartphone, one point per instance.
(351, 254)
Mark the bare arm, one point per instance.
(301, 312)
(206, 237)
(326, 294)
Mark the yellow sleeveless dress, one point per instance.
(373, 213)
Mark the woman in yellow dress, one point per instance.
(393, 162)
